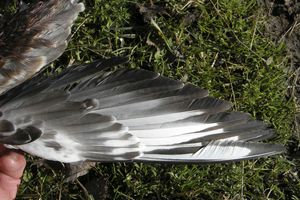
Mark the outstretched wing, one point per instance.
(88, 113)
(33, 38)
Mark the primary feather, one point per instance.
(90, 113)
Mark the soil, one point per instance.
(283, 25)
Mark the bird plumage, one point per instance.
(33, 38)
(90, 113)
(93, 112)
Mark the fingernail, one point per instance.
(14, 156)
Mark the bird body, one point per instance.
(92, 112)
(33, 38)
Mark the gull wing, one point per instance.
(90, 113)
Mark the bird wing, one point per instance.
(89, 113)
(33, 38)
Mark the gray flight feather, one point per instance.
(90, 113)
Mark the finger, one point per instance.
(4, 195)
(11, 163)
(8, 187)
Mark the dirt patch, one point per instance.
(283, 25)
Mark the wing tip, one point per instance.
(220, 152)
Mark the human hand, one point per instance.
(12, 165)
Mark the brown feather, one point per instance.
(34, 37)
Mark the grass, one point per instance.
(218, 45)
